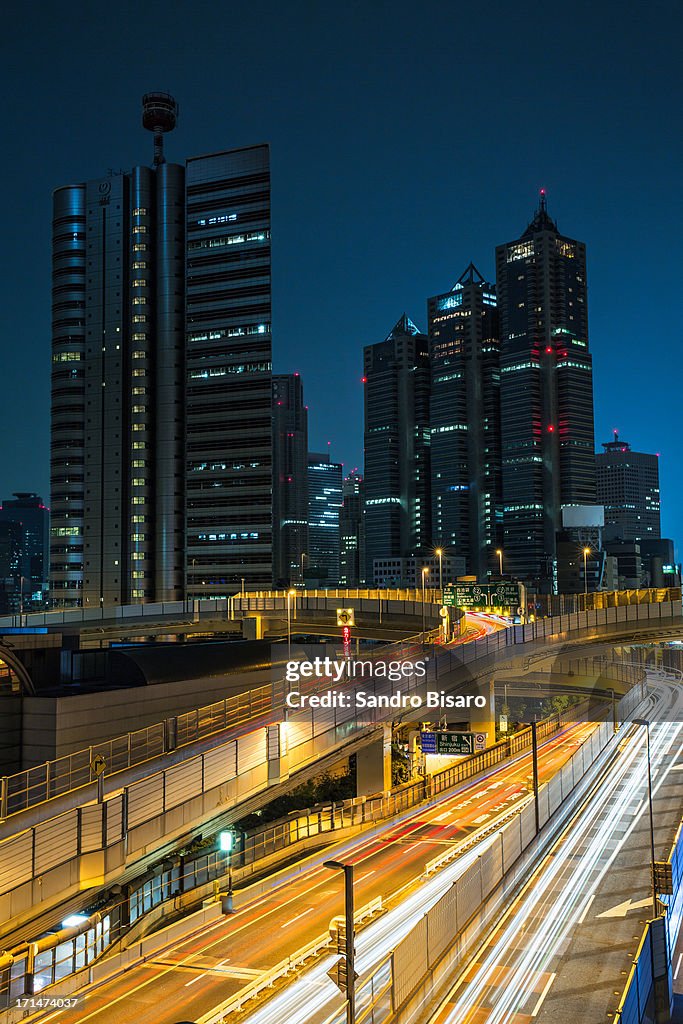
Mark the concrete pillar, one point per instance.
(276, 747)
(484, 719)
(252, 627)
(373, 764)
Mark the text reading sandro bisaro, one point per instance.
(364, 699)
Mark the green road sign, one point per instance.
(481, 595)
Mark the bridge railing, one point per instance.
(72, 771)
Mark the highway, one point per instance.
(197, 974)
(528, 969)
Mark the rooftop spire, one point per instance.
(542, 220)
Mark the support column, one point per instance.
(484, 719)
(276, 747)
(373, 764)
(252, 627)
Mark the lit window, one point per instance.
(139, 247)
(139, 446)
(137, 556)
(138, 408)
(139, 337)
(67, 357)
(139, 264)
(138, 593)
(137, 537)
(140, 229)
(138, 574)
(140, 211)
(139, 426)
(139, 373)
(138, 354)
(139, 300)
(140, 318)
(139, 391)
(138, 282)
(139, 463)
(137, 519)
(139, 501)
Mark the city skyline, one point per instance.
(608, 201)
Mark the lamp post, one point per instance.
(349, 946)
(21, 599)
(303, 555)
(290, 595)
(646, 723)
(499, 552)
(439, 553)
(425, 574)
(586, 553)
(242, 588)
(227, 845)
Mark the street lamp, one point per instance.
(226, 842)
(439, 553)
(500, 560)
(242, 590)
(586, 553)
(646, 723)
(303, 555)
(425, 574)
(349, 948)
(290, 595)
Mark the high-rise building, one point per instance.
(628, 487)
(30, 512)
(352, 554)
(547, 436)
(290, 480)
(464, 355)
(396, 479)
(324, 507)
(229, 360)
(161, 394)
(10, 567)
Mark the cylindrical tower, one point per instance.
(159, 115)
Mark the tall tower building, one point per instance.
(228, 414)
(324, 506)
(397, 482)
(161, 404)
(628, 487)
(290, 480)
(546, 392)
(352, 553)
(464, 354)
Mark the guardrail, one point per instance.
(35, 785)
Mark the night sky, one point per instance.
(407, 139)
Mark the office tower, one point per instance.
(628, 487)
(352, 555)
(324, 506)
(464, 354)
(10, 567)
(396, 480)
(290, 480)
(161, 403)
(229, 361)
(29, 510)
(547, 441)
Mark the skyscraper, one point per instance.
(352, 553)
(464, 355)
(229, 360)
(161, 394)
(396, 480)
(29, 511)
(290, 479)
(546, 392)
(324, 506)
(628, 487)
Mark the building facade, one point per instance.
(628, 487)
(352, 553)
(324, 508)
(547, 436)
(161, 448)
(397, 474)
(290, 480)
(30, 512)
(464, 354)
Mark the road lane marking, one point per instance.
(544, 993)
(678, 965)
(297, 918)
(204, 974)
(586, 907)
